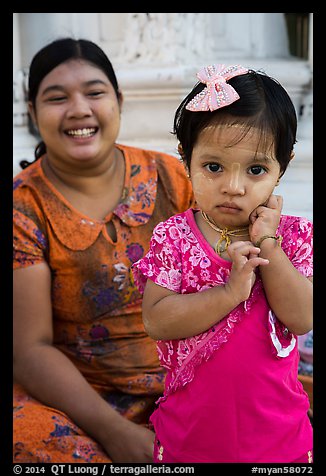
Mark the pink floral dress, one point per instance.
(231, 392)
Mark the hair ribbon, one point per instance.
(218, 93)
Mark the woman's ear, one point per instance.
(180, 150)
(31, 111)
(120, 99)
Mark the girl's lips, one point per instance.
(229, 205)
(229, 208)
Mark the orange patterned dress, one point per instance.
(96, 306)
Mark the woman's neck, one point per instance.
(89, 181)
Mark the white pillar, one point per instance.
(23, 142)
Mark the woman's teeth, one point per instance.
(86, 132)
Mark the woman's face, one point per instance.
(230, 181)
(77, 113)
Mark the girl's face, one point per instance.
(77, 113)
(230, 181)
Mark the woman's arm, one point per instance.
(52, 378)
(169, 315)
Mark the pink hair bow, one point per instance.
(218, 93)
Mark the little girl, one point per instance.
(228, 285)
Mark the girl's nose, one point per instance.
(234, 182)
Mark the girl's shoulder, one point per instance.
(297, 242)
(291, 226)
(178, 223)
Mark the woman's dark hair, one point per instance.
(264, 104)
(55, 53)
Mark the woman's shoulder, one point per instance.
(28, 188)
(147, 153)
(164, 162)
(27, 176)
(169, 173)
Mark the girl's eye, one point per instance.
(257, 170)
(213, 167)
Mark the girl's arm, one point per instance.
(288, 292)
(49, 376)
(169, 315)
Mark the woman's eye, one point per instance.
(95, 93)
(213, 167)
(57, 98)
(257, 170)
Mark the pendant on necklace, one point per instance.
(220, 247)
(222, 244)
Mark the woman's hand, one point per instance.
(265, 219)
(245, 259)
(132, 443)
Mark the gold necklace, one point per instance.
(224, 240)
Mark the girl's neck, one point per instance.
(236, 230)
(221, 237)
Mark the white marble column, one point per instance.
(23, 141)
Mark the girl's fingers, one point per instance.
(243, 248)
(275, 202)
(257, 261)
(245, 255)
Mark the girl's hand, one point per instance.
(265, 219)
(245, 259)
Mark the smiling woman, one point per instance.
(77, 112)
(86, 373)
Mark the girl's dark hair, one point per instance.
(264, 104)
(55, 53)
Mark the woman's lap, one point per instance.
(44, 434)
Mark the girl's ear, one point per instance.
(182, 155)
(292, 155)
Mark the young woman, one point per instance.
(87, 374)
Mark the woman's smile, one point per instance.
(81, 133)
